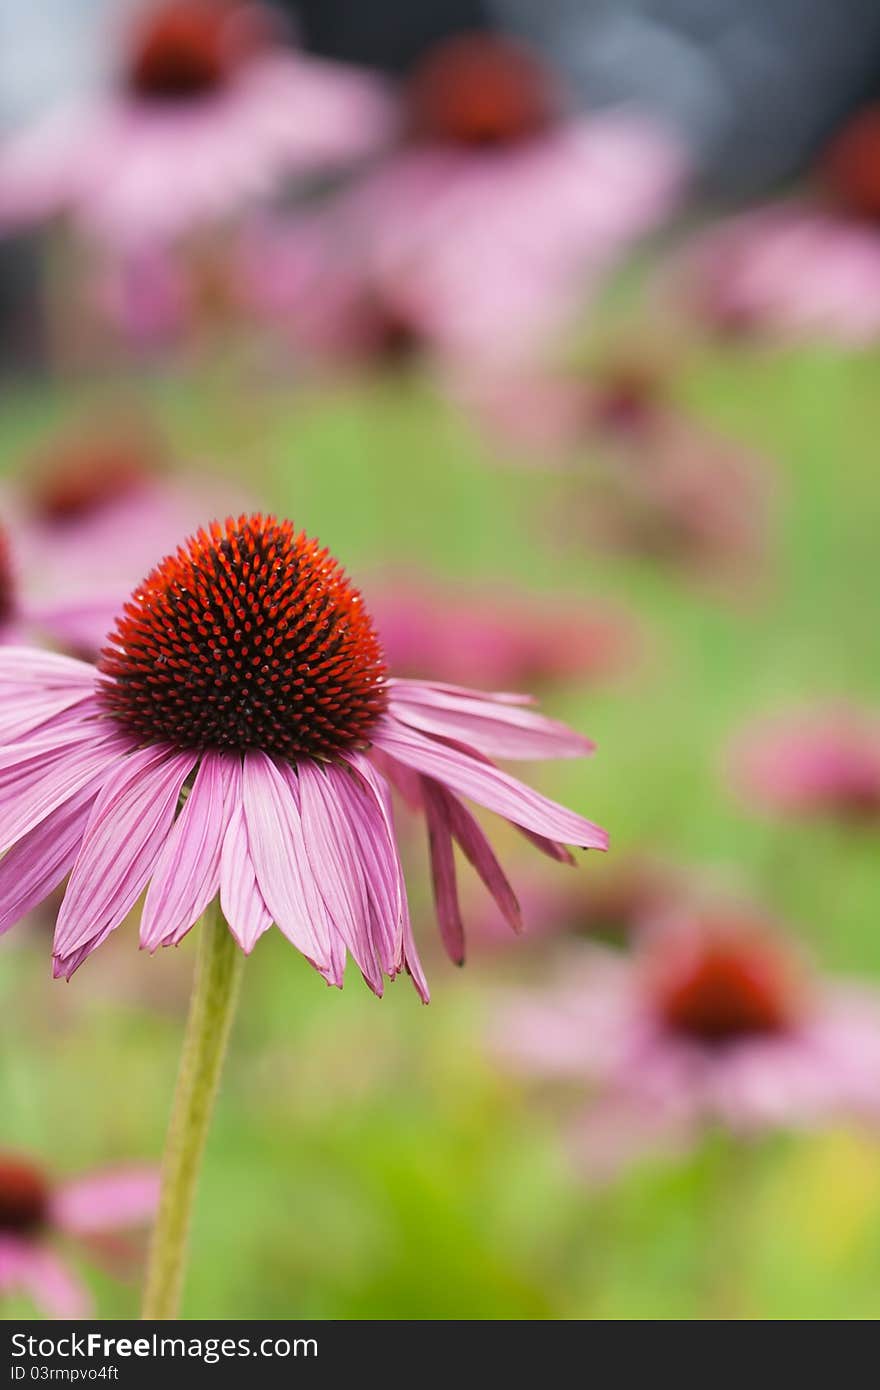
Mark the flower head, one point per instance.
(712, 1020)
(209, 113)
(480, 89)
(179, 50)
(483, 230)
(94, 507)
(499, 638)
(35, 1212)
(245, 673)
(821, 763)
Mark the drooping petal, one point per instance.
(284, 877)
(487, 785)
(39, 861)
(552, 848)
(496, 730)
(109, 1201)
(479, 853)
(334, 840)
(127, 829)
(367, 802)
(383, 797)
(187, 874)
(241, 901)
(443, 872)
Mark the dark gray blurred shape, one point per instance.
(387, 34)
(753, 86)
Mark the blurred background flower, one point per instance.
(37, 1213)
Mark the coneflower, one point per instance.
(236, 745)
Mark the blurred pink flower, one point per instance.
(147, 297)
(246, 668)
(791, 271)
(823, 763)
(802, 269)
(497, 639)
(211, 113)
(711, 1021)
(480, 236)
(36, 1213)
(26, 614)
(646, 477)
(92, 510)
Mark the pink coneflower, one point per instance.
(246, 673)
(26, 612)
(648, 478)
(821, 763)
(805, 267)
(210, 113)
(496, 638)
(36, 1213)
(710, 1022)
(94, 505)
(479, 236)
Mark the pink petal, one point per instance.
(443, 872)
(128, 826)
(35, 785)
(478, 852)
(39, 861)
(187, 874)
(240, 899)
(284, 875)
(437, 693)
(362, 803)
(108, 1201)
(333, 843)
(487, 785)
(31, 666)
(22, 713)
(498, 731)
(552, 848)
(383, 798)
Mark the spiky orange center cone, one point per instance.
(249, 637)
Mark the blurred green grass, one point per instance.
(367, 1162)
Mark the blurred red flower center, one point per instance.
(626, 401)
(720, 991)
(852, 164)
(480, 89)
(7, 582)
(24, 1196)
(81, 478)
(251, 636)
(186, 48)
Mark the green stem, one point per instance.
(212, 1007)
